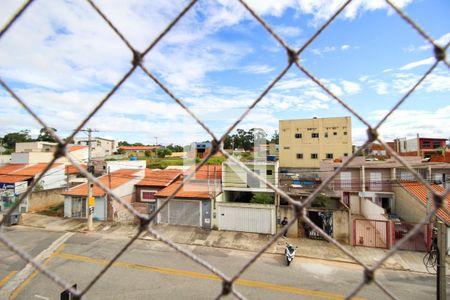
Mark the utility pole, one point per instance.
(90, 224)
(156, 141)
(441, 281)
(90, 168)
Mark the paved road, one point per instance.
(150, 269)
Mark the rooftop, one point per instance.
(75, 148)
(189, 190)
(118, 178)
(11, 168)
(71, 169)
(33, 170)
(13, 178)
(421, 192)
(134, 148)
(159, 177)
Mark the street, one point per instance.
(150, 269)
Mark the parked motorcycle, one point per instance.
(289, 253)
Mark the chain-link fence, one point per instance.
(217, 146)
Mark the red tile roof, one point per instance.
(34, 170)
(10, 168)
(213, 172)
(118, 178)
(377, 147)
(189, 190)
(70, 169)
(421, 192)
(75, 148)
(13, 178)
(159, 177)
(135, 148)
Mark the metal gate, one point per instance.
(418, 242)
(181, 212)
(247, 219)
(371, 233)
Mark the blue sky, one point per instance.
(62, 58)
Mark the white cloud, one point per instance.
(426, 123)
(363, 78)
(423, 62)
(443, 40)
(345, 47)
(288, 31)
(350, 87)
(381, 88)
(258, 69)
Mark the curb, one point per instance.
(229, 248)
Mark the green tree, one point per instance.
(9, 140)
(45, 136)
(321, 200)
(124, 143)
(262, 198)
(275, 138)
(175, 148)
(162, 152)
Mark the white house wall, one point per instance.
(67, 207)
(372, 211)
(54, 178)
(115, 165)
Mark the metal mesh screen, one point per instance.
(292, 62)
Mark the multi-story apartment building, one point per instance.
(304, 143)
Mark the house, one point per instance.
(304, 143)
(137, 150)
(414, 202)
(43, 152)
(121, 182)
(51, 183)
(420, 146)
(192, 205)
(370, 190)
(11, 189)
(153, 182)
(248, 204)
(100, 147)
(36, 147)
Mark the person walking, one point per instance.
(283, 224)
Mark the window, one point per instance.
(346, 180)
(426, 144)
(298, 135)
(299, 155)
(345, 132)
(314, 135)
(286, 148)
(436, 144)
(375, 181)
(148, 196)
(335, 133)
(314, 156)
(326, 134)
(345, 154)
(269, 172)
(329, 155)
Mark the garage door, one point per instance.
(181, 212)
(248, 219)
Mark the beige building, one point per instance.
(304, 143)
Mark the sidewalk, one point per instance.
(314, 249)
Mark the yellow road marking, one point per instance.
(27, 281)
(204, 276)
(7, 277)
